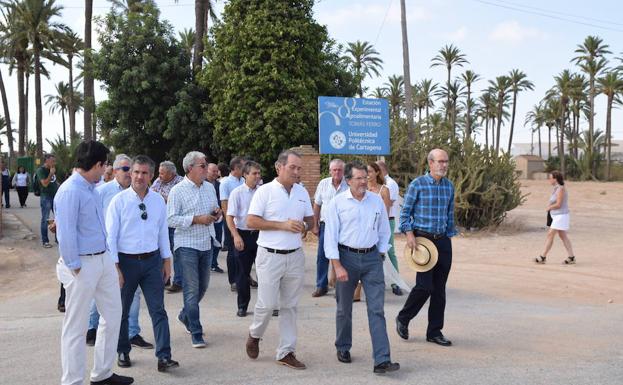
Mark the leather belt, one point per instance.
(248, 231)
(91, 254)
(390, 218)
(139, 257)
(429, 235)
(355, 250)
(275, 251)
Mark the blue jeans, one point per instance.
(134, 328)
(47, 204)
(322, 263)
(177, 266)
(369, 269)
(147, 274)
(196, 268)
(218, 229)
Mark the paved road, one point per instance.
(497, 340)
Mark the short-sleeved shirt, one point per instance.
(325, 192)
(394, 192)
(164, 188)
(238, 205)
(52, 187)
(228, 185)
(273, 203)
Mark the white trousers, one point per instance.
(280, 279)
(97, 280)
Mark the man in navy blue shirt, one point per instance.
(428, 211)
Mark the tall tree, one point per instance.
(592, 61)
(536, 118)
(203, 10)
(5, 130)
(406, 69)
(364, 61)
(500, 87)
(72, 46)
(42, 31)
(561, 90)
(60, 102)
(519, 82)
(449, 56)
(427, 92)
(394, 92)
(7, 117)
(611, 85)
(88, 82)
(187, 40)
(469, 78)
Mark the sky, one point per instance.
(536, 37)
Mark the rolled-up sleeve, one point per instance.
(331, 231)
(67, 208)
(406, 218)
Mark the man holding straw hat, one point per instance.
(427, 218)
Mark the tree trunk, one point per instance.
(21, 144)
(591, 122)
(38, 107)
(71, 107)
(510, 136)
(89, 98)
(407, 73)
(540, 155)
(549, 141)
(531, 142)
(608, 135)
(468, 119)
(449, 68)
(27, 109)
(64, 131)
(7, 118)
(487, 133)
(200, 23)
(493, 133)
(499, 126)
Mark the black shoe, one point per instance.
(168, 282)
(276, 313)
(386, 366)
(402, 329)
(241, 313)
(233, 287)
(139, 342)
(91, 335)
(123, 360)
(165, 364)
(319, 292)
(174, 288)
(344, 356)
(439, 340)
(61, 307)
(396, 290)
(217, 270)
(114, 380)
(252, 283)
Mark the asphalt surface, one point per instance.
(497, 340)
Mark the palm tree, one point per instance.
(427, 90)
(449, 56)
(611, 85)
(203, 10)
(486, 112)
(394, 92)
(536, 117)
(42, 31)
(406, 72)
(379, 93)
(60, 102)
(500, 87)
(550, 116)
(518, 83)
(592, 61)
(454, 90)
(469, 78)
(7, 121)
(5, 130)
(187, 40)
(71, 45)
(562, 90)
(88, 82)
(578, 104)
(364, 61)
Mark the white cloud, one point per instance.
(459, 35)
(512, 32)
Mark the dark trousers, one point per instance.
(430, 284)
(5, 190)
(322, 263)
(245, 260)
(218, 230)
(22, 193)
(232, 265)
(147, 274)
(61, 297)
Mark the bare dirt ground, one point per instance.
(511, 321)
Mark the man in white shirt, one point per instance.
(394, 212)
(326, 190)
(192, 210)
(244, 238)
(282, 211)
(356, 239)
(138, 240)
(227, 185)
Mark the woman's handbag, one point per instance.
(549, 219)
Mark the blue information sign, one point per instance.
(353, 126)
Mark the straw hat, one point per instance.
(424, 257)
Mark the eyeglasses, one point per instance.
(143, 208)
(123, 168)
(202, 165)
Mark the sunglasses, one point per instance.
(143, 209)
(124, 168)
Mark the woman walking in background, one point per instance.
(558, 208)
(21, 181)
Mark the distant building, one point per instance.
(528, 149)
(527, 165)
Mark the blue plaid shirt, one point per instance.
(429, 206)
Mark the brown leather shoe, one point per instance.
(253, 347)
(291, 362)
(319, 292)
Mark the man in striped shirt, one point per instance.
(428, 211)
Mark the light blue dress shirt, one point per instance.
(358, 224)
(228, 185)
(79, 220)
(106, 192)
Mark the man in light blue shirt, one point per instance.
(87, 271)
(356, 240)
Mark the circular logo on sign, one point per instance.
(337, 140)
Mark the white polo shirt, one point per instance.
(238, 205)
(394, 193)
(273, 203)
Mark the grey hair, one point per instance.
(431, 154)
(283, 157)
(190, 159)
(120, 158)
(336, 161)
(169, 166)
(144, 160)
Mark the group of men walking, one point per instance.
(110, 250)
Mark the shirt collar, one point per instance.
(82, 180)
(349, 195)
(432, 180)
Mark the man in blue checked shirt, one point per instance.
(428, 211)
